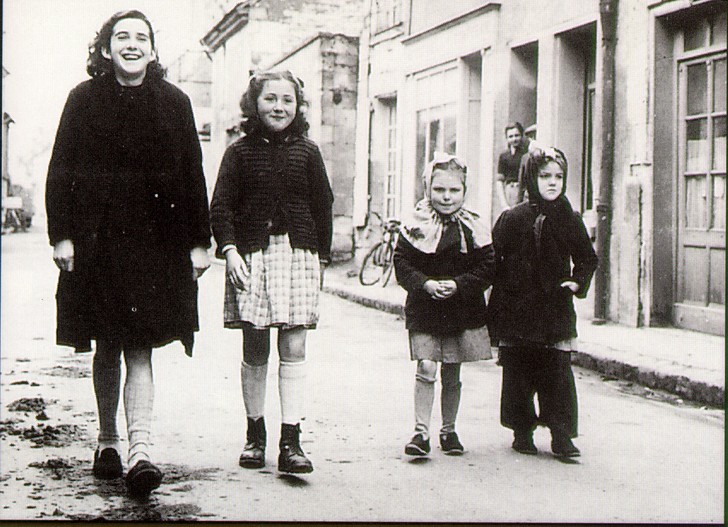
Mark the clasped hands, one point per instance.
(441, 289)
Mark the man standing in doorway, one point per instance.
(509, 161)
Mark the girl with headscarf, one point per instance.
(444, 259)
(543, 258)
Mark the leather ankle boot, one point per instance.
(292, 459)
(253, 455)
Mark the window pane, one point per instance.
(718, 25)
(695, 35)
(719, 203)
(436, 142)
(450, 132)
(695, 202)
(719, 143)
(697, 145)
(421, 151)
(719, 85)
(697, 88)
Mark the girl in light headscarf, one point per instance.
(445, 261)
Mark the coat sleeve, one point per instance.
(198, 215)
(584, 258)
(226, 194)
(407, 273)
(322, 199)
(61, 171)
(480, 276)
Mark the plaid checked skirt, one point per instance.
(282, 290)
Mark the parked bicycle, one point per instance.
(378, 263)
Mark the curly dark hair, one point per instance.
(98, 65)
(251, 123)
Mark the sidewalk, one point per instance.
(685, 363)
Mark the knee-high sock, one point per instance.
(450, 396)
(291, 388)
(107, 387)
(253, 381)
(138, 404)
(424, 398)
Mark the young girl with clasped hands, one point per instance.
(444, 259)
(543, 259)
(272, 220)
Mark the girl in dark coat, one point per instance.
(128, 221)
(444, 259)
(543, 258)
(271, 217)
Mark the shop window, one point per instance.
(436, 117)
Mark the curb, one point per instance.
(381, 305)
(680, 385)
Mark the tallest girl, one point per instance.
(128, 221)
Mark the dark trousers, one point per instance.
(545, 372)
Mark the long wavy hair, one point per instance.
(251, 123)
(98, 65)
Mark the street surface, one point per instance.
(645, 457)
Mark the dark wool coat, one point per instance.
(471, 271)
(272, 185)
(527, 303)
(125, 184)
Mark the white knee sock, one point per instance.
(424, 399)
(253, 380)
(138, 404)
(291, 387)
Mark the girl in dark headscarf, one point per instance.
(543, 258)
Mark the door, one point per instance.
(700, 287)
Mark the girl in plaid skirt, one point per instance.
(271, 218)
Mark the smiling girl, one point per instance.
(444, 259)
(271, 218)
(128, 221)
(543, 259)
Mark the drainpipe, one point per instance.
(608, 18)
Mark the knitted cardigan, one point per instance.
(272, 185)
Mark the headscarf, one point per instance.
(554, 219)
(425, 227)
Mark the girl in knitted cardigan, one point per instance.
(271, 218)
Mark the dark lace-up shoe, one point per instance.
(253, 455)
(291, 459)
(523, 443)
(143, 478)
(107, 464)
(562, 446)
(418, 446)
(450, 444)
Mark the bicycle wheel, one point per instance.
(371, 270)
(388, 263)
